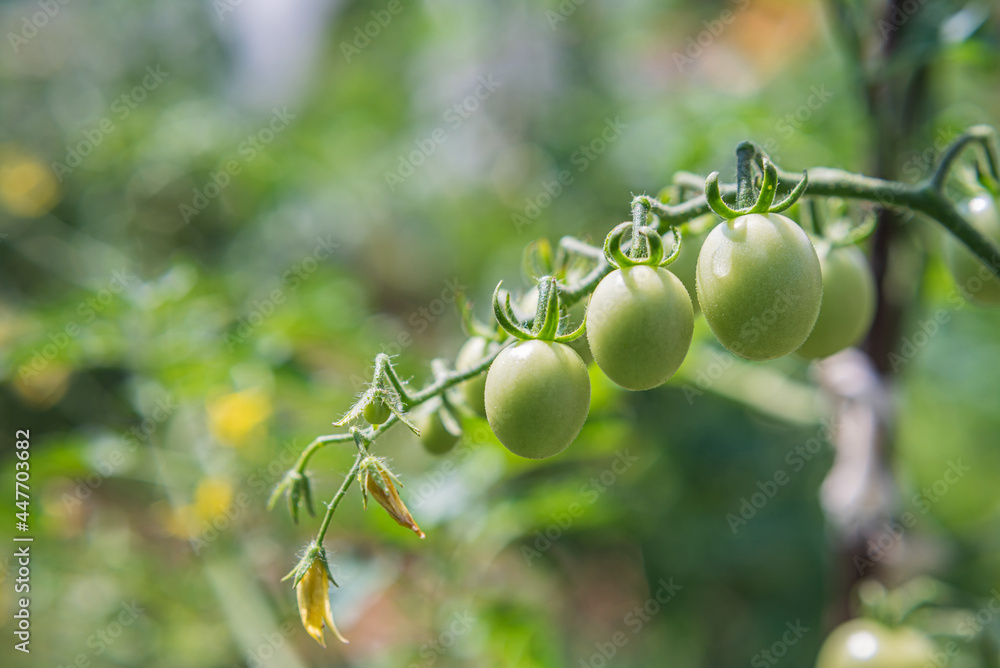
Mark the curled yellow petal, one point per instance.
(314, 602)
(380, 486)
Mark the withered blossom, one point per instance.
(312, 592)
(379, 482)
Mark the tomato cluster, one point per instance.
(759, 282)
(765, 287)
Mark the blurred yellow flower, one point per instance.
(180, 521)
(44, 388)
(27, 186)
(212, 498)
(233, 418)
(312, 593)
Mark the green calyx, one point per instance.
(837, 223)
(546, 324)
(764, 201)
(651, 247)
(296, 488)
(385, 393)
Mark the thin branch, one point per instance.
(335, 501)
(574, 245)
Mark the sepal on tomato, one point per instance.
(653, 242)
(386, 387)
(764, 202)
(471, 324)
(296, 488)
(548, 323)
(311, 579)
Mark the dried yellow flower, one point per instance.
(312, 592)
(379, 482)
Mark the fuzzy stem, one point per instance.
(745, 195)
(335, 501)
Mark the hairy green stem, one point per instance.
(640, 211)
(453, 379)
(415, 399)
(335, 501)
(384, 362)
(923, 198)
(574, 245)
(745, 195)
(690, 181)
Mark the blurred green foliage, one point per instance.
(200, 285)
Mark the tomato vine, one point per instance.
(759, 183)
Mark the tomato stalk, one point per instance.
(640, 212)
(745, 192)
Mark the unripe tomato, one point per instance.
(759, 285)
(537, 397)
(435, 436)
(848, 302)
(473, 389)
(376, 412)
(685, 264)
(974, 279)
(863, 643)
(639, 326)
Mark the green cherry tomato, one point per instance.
(863, 643)
(639, 326)
(759, 284)
(537, 397)
(974, 279)
(435, 435)
(848, 302)
(473, 389)
(686, 262)
(376, 412)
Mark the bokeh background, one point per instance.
(214, 214)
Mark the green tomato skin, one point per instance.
(537, 397)
(863, 643)
(580, 345)
(434, 436)
(685, 265)
(639, 326)
(473, 390)
(975, 281)
(376, 412)
(848, 303)
(759, 284)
